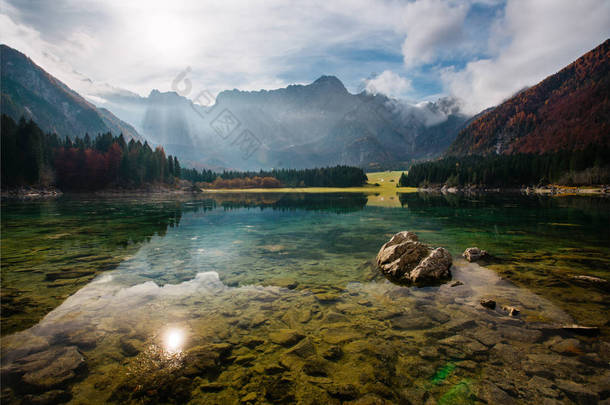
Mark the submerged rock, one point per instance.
(332, 353)
(568, 347)
(512, 311)
(487, 303)
(48, 398)
(405, 259)
(461, 346)
(130, 347)
(577, 392)
(592, 281)
(473, 254)
(48, 369)
(316, 367)
(493, 394)
(582, 330)
(304, 349)
(286, 337)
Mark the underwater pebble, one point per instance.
(488, 303)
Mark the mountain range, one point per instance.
(321, 123)
(299, 126)
(30, 92)
(568, 110)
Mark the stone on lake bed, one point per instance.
(22, 344)
(582, 330)
(49, 397)
(543, 386)
(474, 254)
(244, 360)
(335, 336)
(211, 387)
(577, 392)
(258, 320)
(304, 349)
(288, 283)
(488, 303)
(316, 367)
(407, 260)
(335, 317)
(252, 342)
(591, 279)
(332, 353)
(250, 397)
(343, 391)
(568, 347)
(207, 357)
(520, 334)
(512, 311)
(48, 369)
(131, 347)
(428, 352)
(327, 297)
(286, 337)
(492, 394)
(459, 344)
(407, 322)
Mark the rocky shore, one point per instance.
(368, 344)
(546, 190)
(28, 192)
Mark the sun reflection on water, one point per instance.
(174, 340)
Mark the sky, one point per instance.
(480, 51)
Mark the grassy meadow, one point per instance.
(381, 189)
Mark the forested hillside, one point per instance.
(338, 176)
(31, 157)
(29, 91)
(567, 111)
(587, 166)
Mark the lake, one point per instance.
(275, 298)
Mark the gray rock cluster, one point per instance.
(405, 259)
(474, 254)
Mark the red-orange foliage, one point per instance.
(87, 169)
(246, 182)
(567, 111)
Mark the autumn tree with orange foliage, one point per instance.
(567, 111)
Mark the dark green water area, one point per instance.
(275, 298)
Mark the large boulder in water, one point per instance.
(407, 260)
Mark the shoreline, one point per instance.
(365, 189)
(551, 190)
(370, 189)
(32, 193)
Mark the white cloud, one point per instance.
(432, 28)
(532, 40)
(140, 45)
(389, 84)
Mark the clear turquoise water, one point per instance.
(274, 298)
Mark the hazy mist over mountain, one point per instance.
(298, 126)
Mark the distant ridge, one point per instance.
(298, 126)
(566, 111)
(29, 91)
